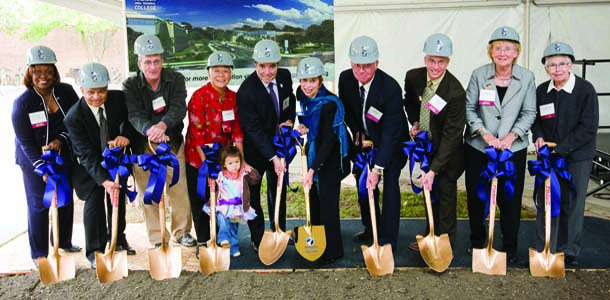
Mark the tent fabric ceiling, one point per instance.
(111, 10)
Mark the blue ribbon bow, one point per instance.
(364, 162)
(500, 165)
(419, 151)
(209, 167)
(57, 179)
(554, 166)
(157, 165)
(285, 145)
(117, 162)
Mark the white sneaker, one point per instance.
(224, 243)
(236, 254)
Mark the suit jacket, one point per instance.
(258, 118)
(515, 114)
(385, 95)
(447, 127)
(85, 135)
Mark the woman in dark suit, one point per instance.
(500, 109)
(327, 160)
(38, 115)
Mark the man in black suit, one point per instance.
(435, 101)
(265, 102)
(99, 117)
(374, 111)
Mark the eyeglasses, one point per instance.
(560, 66)
(149, 63)
(41, 72)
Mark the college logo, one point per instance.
(439, 46)
(219, 57)
(149, 44)
(307, 69)
(93, 76)
(504, 32)
(267, 52)
(365, 51)
(309, 240)
(41, 54)
(557, 47)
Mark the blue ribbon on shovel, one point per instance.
(157, 165)
(115, 160)
(500, 165)
(419, 150)
(286, 147)
(57, 179)
(209, 167)
(364, 162)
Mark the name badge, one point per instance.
(158, 104)
(38, 119)
(436, 104)
(228, 115)
(547, 111)
(487, 97)
(286, 103)
(373, 114)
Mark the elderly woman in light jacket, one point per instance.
(500, 110)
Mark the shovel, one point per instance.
(165, 261)
(545, 264)
(213, 258)
(310, 241)
(435, 250)
(274, 244)
(112, 266)
(379, 260)
(488, 260)
(55, 267)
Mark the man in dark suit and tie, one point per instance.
(98, 118)
(374, 111)
(435, 101)
(265, 102)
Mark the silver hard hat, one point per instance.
(147, 44)
(40, 55)
(363, 50)
(557, 48)
(310, 67)
(266, 51)
(438, 44)
(220, 58)
(94, 75)
(504, 33)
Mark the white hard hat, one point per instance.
(363, 50)
(220, 58)
(40, 55)
(94, 75)
(438, 44)
(266, 51)
(310, 67)
(147, 44)
(557, 48)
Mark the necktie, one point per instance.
(274, 98)
(103, 128)
(424, 113)
(362, 93)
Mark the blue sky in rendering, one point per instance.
(228, 14)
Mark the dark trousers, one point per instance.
(444, 209)
(257, 226)
(390, 214)
(98, 224)
(38, 216)
(365, 214)
(324, 198)
(201, 220)
(510, 209)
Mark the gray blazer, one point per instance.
(516, 113)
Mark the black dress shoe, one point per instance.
(130, 251)
(291, 241)
(254, 246)
(72, 249)
(363, 236)
(571, 261)
(469, 251)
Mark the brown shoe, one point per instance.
(414, 247)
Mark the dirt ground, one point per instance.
(336, 284)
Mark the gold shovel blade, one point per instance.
(436, 251)
(379, 260)
(214, 259)
(310, 244)
(545, 264)
(165, 262)
(272, 246)
(56, 268)
(111, 266)
(488, 262)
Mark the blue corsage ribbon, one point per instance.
(116, 161)
(500, 165)
(285, 145)
(419, 150)
(555, 167)
(157, 165)
(57, 179)
(363, 163)
(210, 167)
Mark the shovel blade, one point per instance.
(56, 268)
(436, 251)
(488, 262)
(109, 267)
(545, 264)
(272, 246)
(379, 260)
(214, 259)
(165, 262)
(310, 245)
